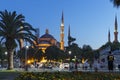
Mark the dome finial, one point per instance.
(47, 31)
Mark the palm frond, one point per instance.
(10, 26)
(2, 38)
(116, 3)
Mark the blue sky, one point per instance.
(89, 20)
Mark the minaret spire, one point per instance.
(69, 35)
(70, 39)
(62, 18)
(109, 36)
(116, 30)
(69, 31)
(62, 33)
(116, 25)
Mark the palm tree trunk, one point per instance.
(10, 45)
(10, 60)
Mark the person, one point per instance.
(96, 65)
(71, 66)
(76, 65)
(110, 59)
(119, 67)
(86, 65)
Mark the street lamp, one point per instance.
(70, 54)
(6, 53)
(75, 57)
(26, 67)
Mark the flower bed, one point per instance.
(68, 76)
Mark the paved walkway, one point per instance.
(58, 69)
(8, 75)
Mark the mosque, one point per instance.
(47, 39)
(104, 52)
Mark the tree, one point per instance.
(116, 3)
(75, 50)
(30, 53)
(113, 46)
(87, 52)
(13, 28)
(70, 40)
(51, 53)
(54, 53)
(21, 54)
(38, 54)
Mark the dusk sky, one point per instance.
(89, 20)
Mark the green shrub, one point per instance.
(68, 76)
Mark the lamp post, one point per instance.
(76, 63)
(26, 66)
(6, 60)
(75, 57)
(6, 54)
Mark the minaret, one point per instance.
(116, 32)
(62, 33)
(109, 36)
(70, 39)
(69, 35)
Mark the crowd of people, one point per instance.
(96, 66)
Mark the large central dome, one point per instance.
(47, 39)
(47, 35)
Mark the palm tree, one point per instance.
(13, 28)
(116, 3)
